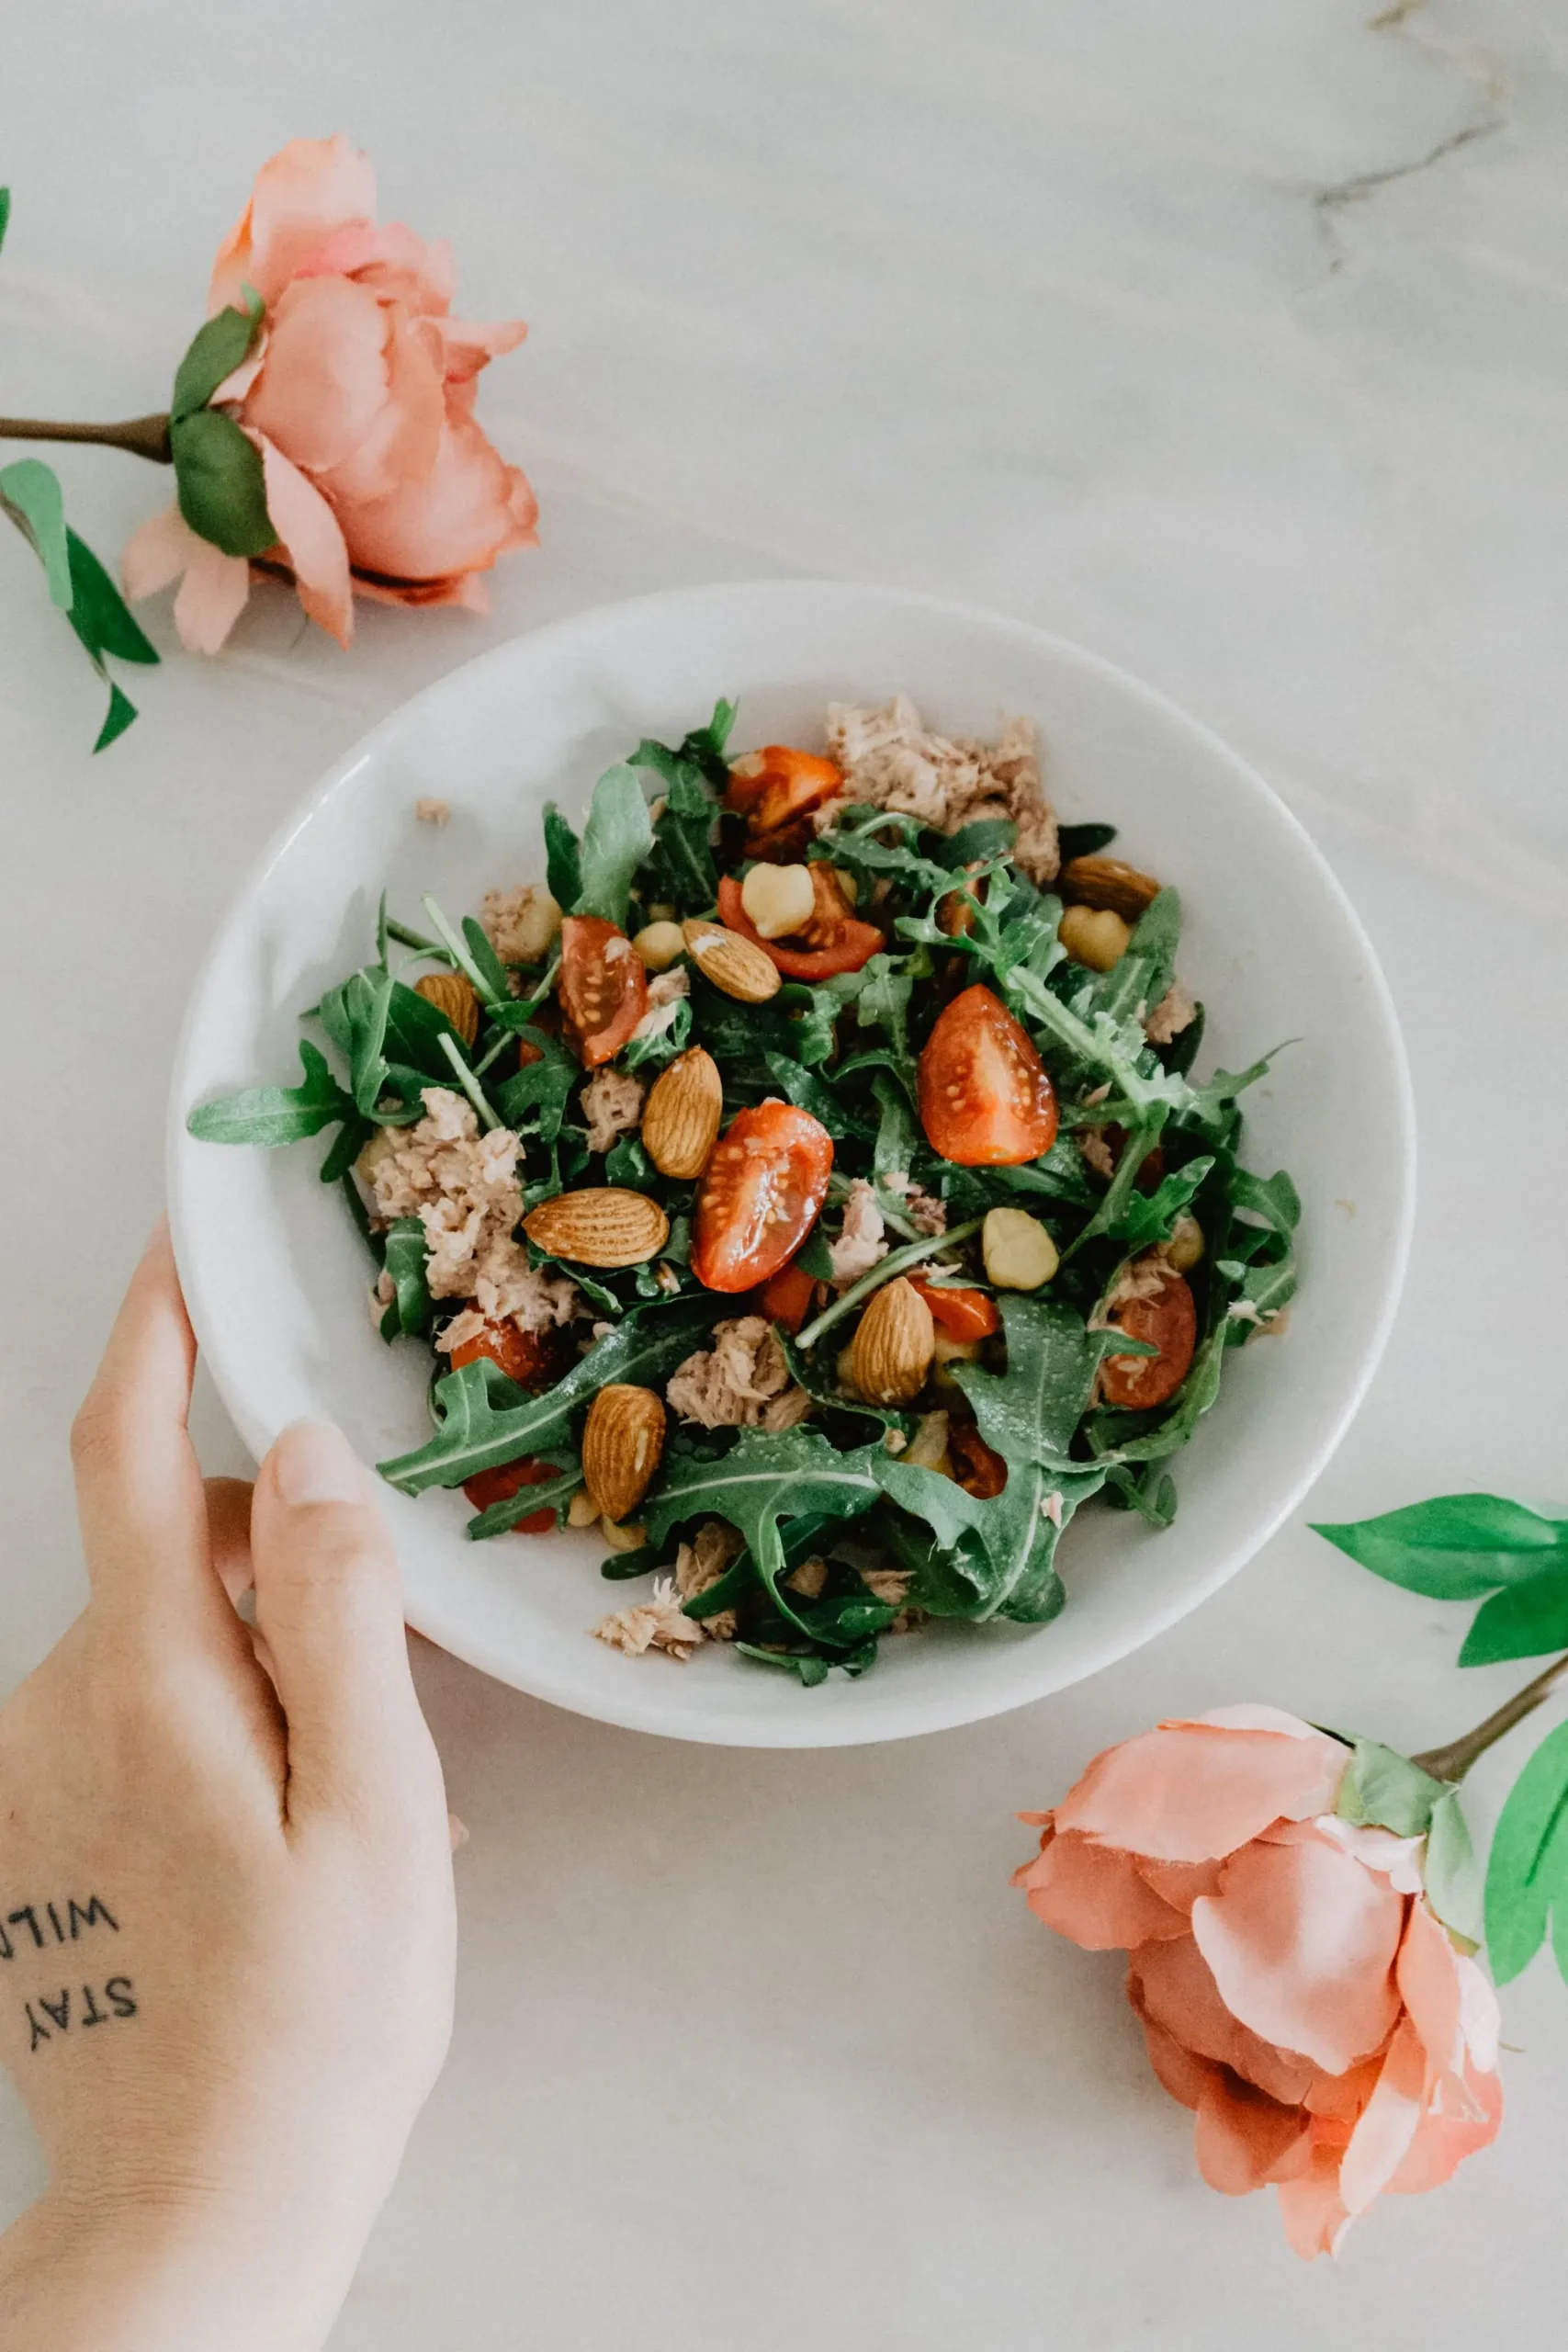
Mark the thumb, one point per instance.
(329, 1606)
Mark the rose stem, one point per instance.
(144, 436)
(1453, 1761)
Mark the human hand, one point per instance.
(226, 1910)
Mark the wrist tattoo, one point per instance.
(38, 1927)
(93, 1913)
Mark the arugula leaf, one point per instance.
(680, 864)
(270, 1116)
(552, 1494)
(483, 1418)
(5, 212)
(1029, 1413)
(995, 1556)
(1383, 1788)
(486, 962)
(347, 1146)
(408, 1313)
(563, 859)
(1083, 841)
(661, 1045)
(767, 1478)
(1147, 1218)
(810, 1092)
(1527, 1874)
(627, 1163)
(982, 837)
(615, 840)
(544, 1086)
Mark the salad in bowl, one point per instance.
(805, 1181)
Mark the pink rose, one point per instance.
(1295, 1987)
(359, 395)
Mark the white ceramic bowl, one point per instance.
(276, 1277)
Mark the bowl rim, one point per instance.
(927, 1712)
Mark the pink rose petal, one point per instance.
(462, 517)
(1094, 1896)
(1192, 1793)
(400, 445)
(323, 387)
(1242, 2137)
(213, 586)
(1302, 1941)
(308, 531)
(1171, 1981)
(308, 191)
(1383, 2134)
(1310, 2206)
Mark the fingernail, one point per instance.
(313, 1462)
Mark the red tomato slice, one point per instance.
(527, 1357)
(487, 1486)
(852, 944)
(785, 1297)
(982, 1470)
(764, 1186)
(985, 1101)
(603, 986)
(962, 1314)
(778, 783)
(1168, 1318)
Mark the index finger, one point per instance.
(139, 1491)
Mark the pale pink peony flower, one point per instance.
(1294, 1987)
(359, 395)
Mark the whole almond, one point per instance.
(621, 1442)
(1106, 883)
(604, 1224)
(453, 994)
(735, 965)
(891, 1352)
(679, 1119)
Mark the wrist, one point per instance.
(168, 2269)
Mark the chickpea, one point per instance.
(778, 899)
(659, 945)
(1019, 1252)
(1094, 936)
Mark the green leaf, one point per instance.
(410, 1311)
(1147, 1218)
(487, 962)
(99, 614)
(767, 1478)
(347, 1146)
(5, 212)
(214, 353)
(1455, 1547)
(1522, 1620)
(117, 719)
(1527, 1874)
(563, 873)
(1083, 841)
(1450, 1870)
(983, 837)
(808, 1092)
(1385, 1790)
(814, 1258)
(369, 996)
(501, 1517)
(1031, 1411)
(270, 1116)
(218, 473)
(544, 1088)
(31, 496)
(681, 865)
(627, 1163)
(615, 840)
(484, 1420)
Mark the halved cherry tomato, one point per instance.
(778, 783)
(764, 1186)
(487, 1486)
(985, 1101)
(785, 1297)
(1168, 1318)
(603, 988)
(982, 1472)
(850, 945)
(962, 1314)
(526, 1357)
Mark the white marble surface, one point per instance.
(1230, 340)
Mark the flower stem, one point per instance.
(1453, 1761)
(144, 436)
